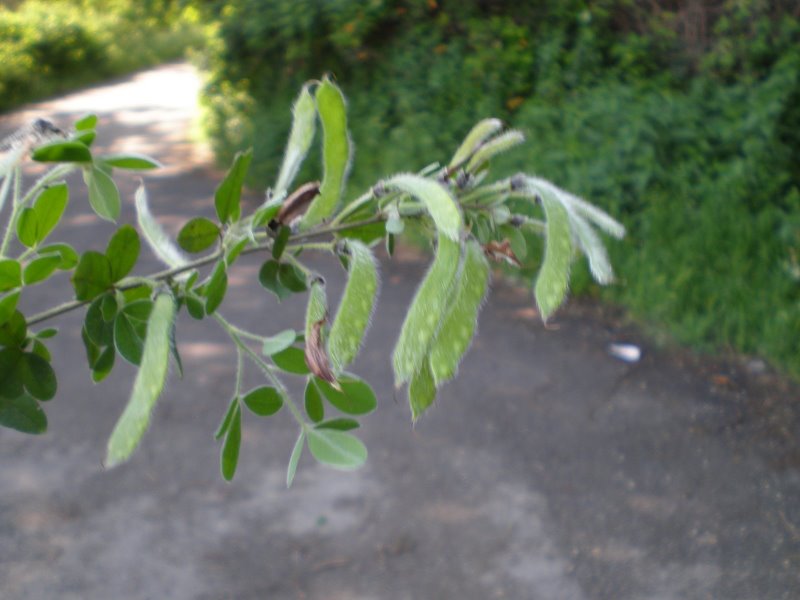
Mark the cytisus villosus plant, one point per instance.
(471, 220)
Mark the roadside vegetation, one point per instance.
(51, 47)
(680, 118)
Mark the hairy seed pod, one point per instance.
(474, 139)
(426, 312)
(438, 201)
(502, 143)
(458, 327)
(355, 309)
(316, 317)
(336, 153)
(551, 283)
(304, 113)
(421, 391)
(148, 384)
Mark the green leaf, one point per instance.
(264, 401)
(356, 397)
(304, 115)
(551, 284)
(130, 330)
(49, 207)
(10, 274)
(458, 327)
(62, 152)
(195, 307)
(27, 227)
(228, 195)
(295, 458)
(355, 309)
(99, 330)
(8, 305)
(87, 139)
(40, 269)
(268, 278)
(437, 200)
(291, 360)
(123, 252)
(103, 194)
(69, 258)
(92, 276)
(108, 307)
(148, 384)
(22, 413)
(280, 241)
(278, 342)
(226, 420)
(234, 251)
(41, 350)
(198, 234)
(48, 333)
(313, 402)
(104, 364)
(421, 391)
(216, 287)
(337, 449)
(474, 139)
(335, 153)
(292, 278)
(131, 161)
(426, 312)
(38, 376)
(10, 373)
(229, 457)
(86, 122)
(340, 424)
(14, 331)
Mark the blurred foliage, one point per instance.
(46, 47)
(681, 117)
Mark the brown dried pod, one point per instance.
(501, 251)
(296, 204)
(317, 358)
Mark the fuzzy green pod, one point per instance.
(501, 143)
(335, 152)
(482, 130)
(304, 114)
(551, 284)
(438, 202)
(355, 310)
(317, 307)
(426, 312)
(148, 384)
(458, 327)
(421, 391)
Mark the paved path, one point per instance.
(548, 470)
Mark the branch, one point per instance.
(200, 262)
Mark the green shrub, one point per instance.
(689, 133)
(47, 47)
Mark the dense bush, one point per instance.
(683, 120)
(46, 47)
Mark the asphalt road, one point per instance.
(547, 470)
